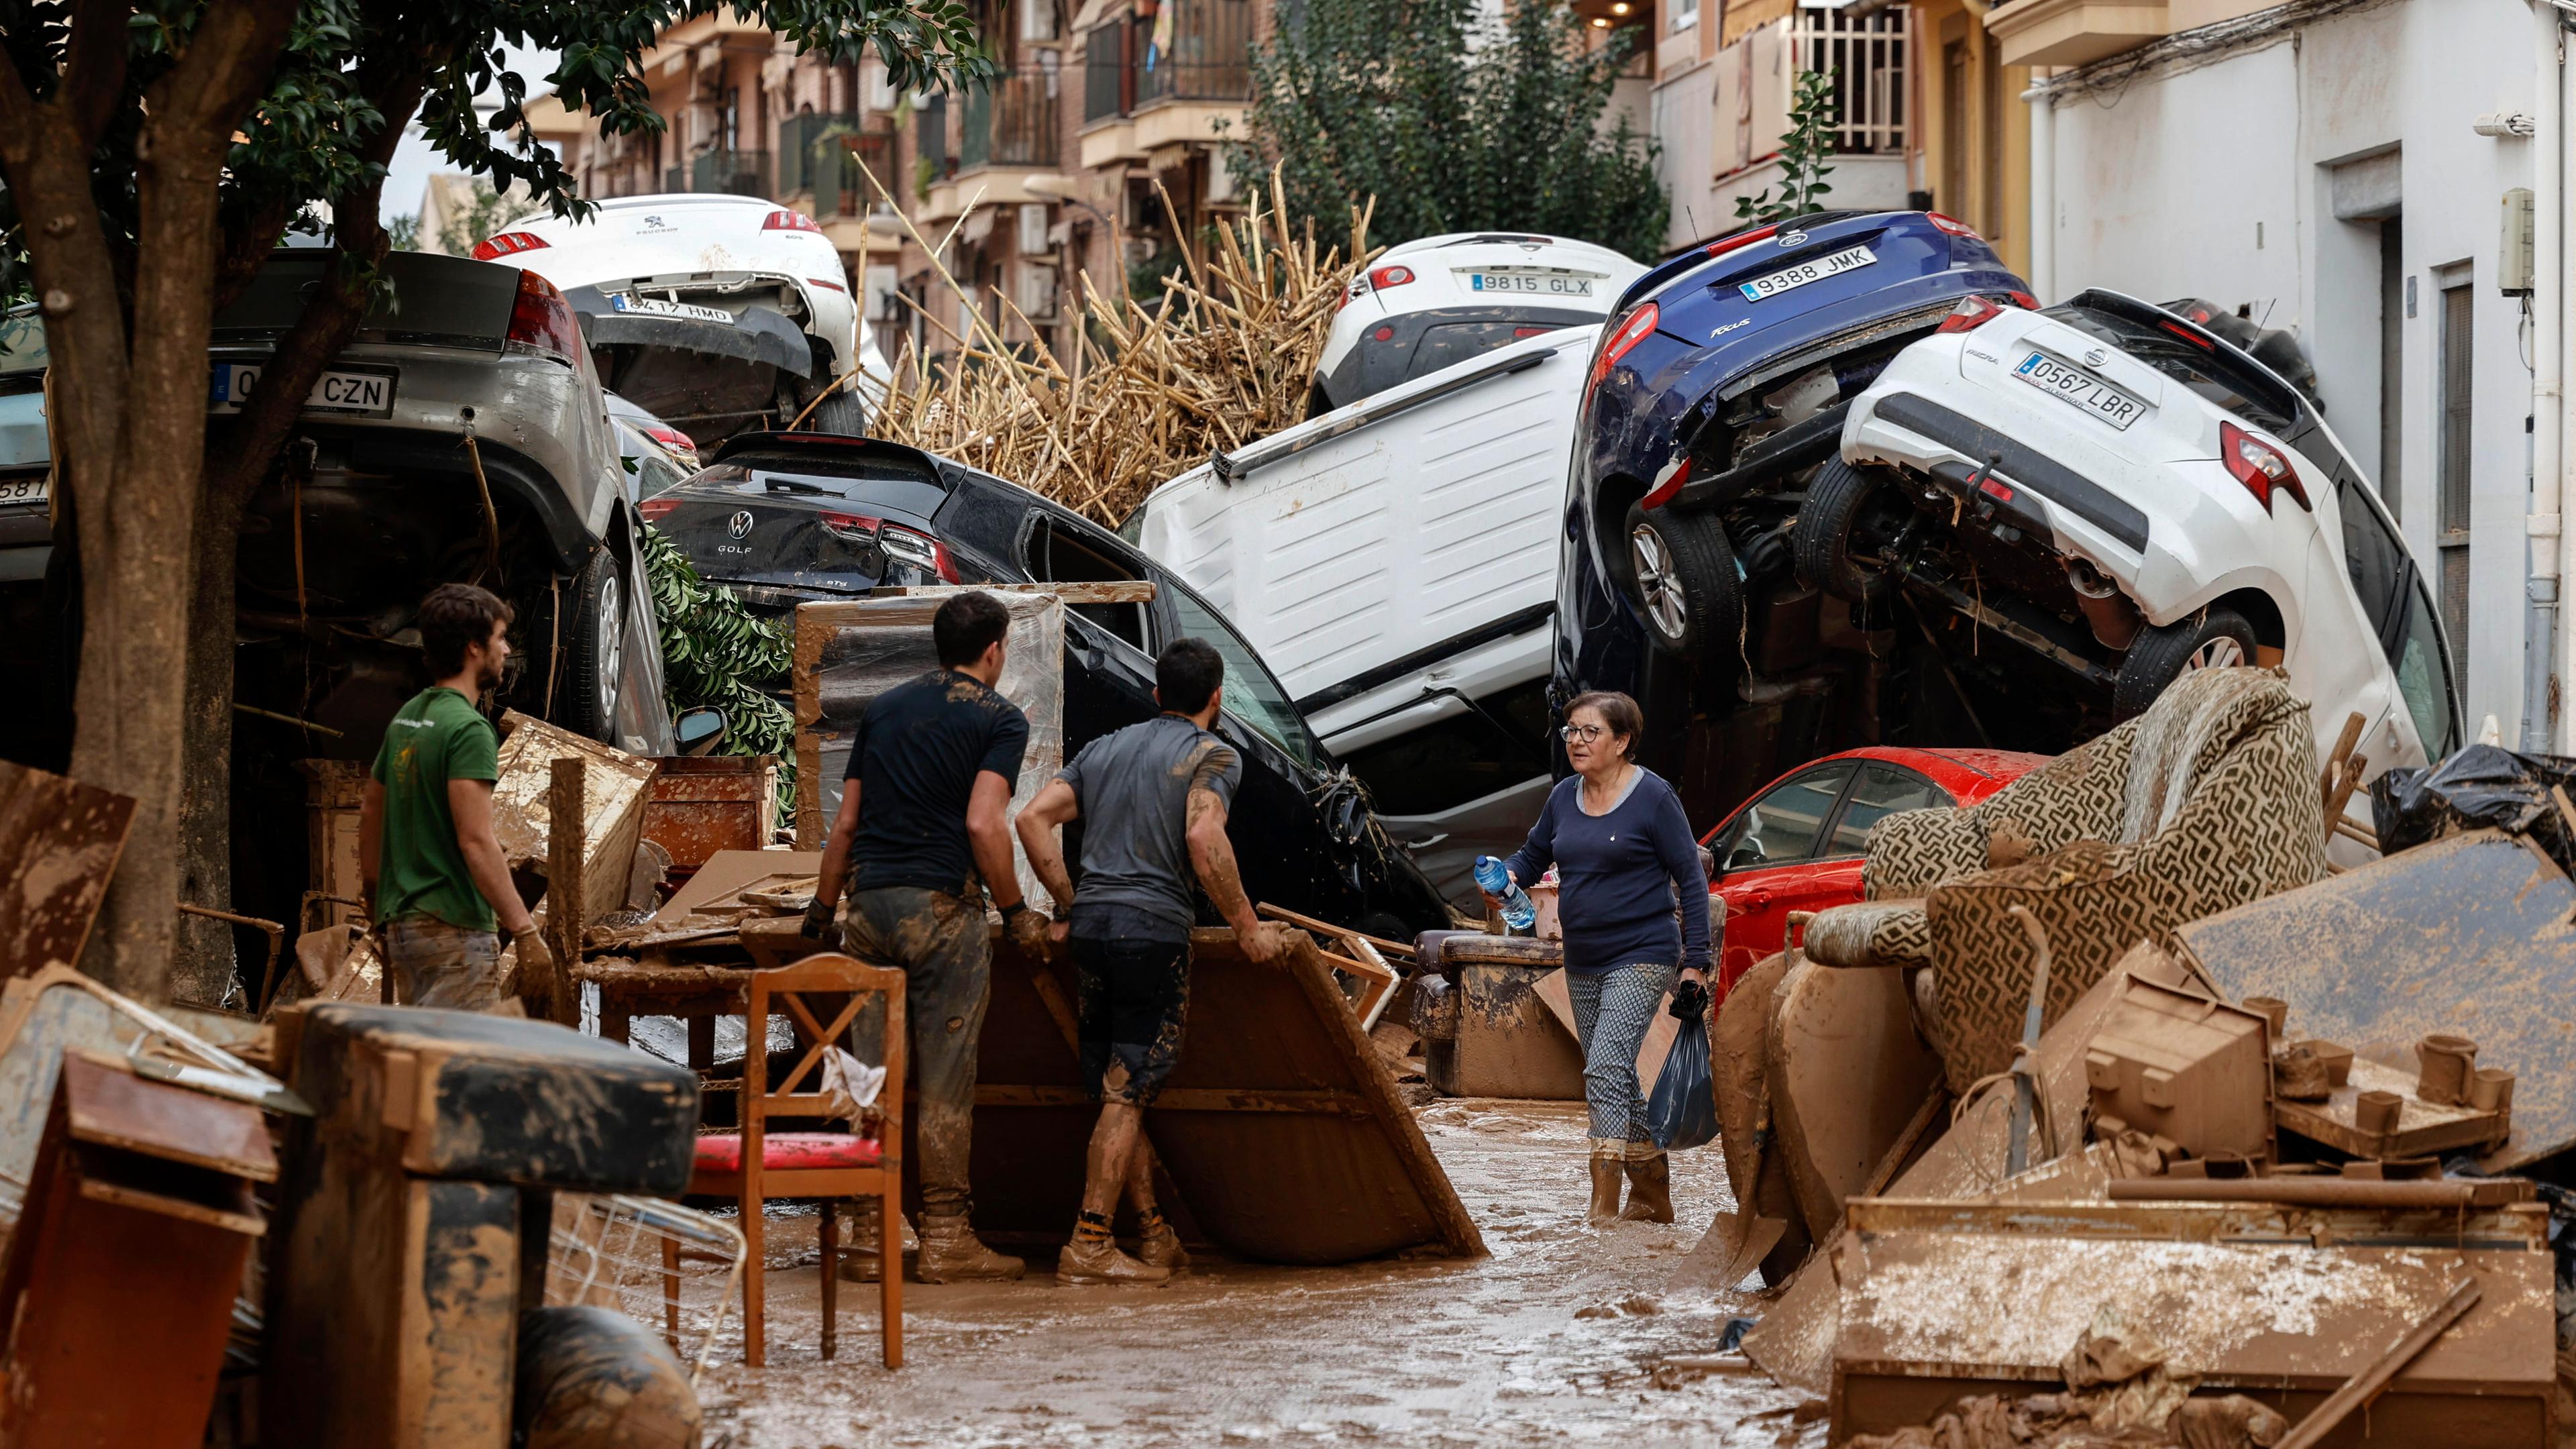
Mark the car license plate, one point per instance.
(656, 307)
(1532, 284)
(2084, 390)
(359, 392)
(17, 491)
(1849, 259)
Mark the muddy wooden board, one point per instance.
(2470, 935)
(614, 787)
(2424, 1129)
(1940, 1301)
(849, 653)
(728, 873)
(1280, 1132)
(59, 843)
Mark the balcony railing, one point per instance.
(1208, 57)
(1108, 72)
(1867, 56)
(1008, 122)
(839, 188)
(739, 173)
(798, 137)
(931, 140)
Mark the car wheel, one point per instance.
(1820, 542)
(2210, 639)
(844, 412)
(595, 636)
(1687, 584)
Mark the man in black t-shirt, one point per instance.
(925, 814)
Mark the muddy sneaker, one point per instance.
(951, 1253)
(1100, 1262)
(1157, 1246)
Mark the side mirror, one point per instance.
(699, 731)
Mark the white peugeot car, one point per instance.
(718, 314)
(2103, 495)
(1427, 304)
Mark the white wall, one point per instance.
(2214, 183)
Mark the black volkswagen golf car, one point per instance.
(782, 518)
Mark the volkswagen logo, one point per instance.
(740, 525)
(2094, 358)
(1790, 239)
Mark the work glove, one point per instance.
(1690, 1002)
(534, 980)
(821, 926)
(1028, 928)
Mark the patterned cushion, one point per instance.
(1871, 933)
(722, 1151)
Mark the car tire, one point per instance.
(844, 412)
(1820, 541)
(2210, 639)
(1687, 587)
(595, 644)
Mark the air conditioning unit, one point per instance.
(1033, 228)
(1033, 288)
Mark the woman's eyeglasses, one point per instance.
(1585, 733)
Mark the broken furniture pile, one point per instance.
(2173, 1132)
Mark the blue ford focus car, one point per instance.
(1720, 384)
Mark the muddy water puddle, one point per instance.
(1434, 1352)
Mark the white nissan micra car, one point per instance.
(2107, 494)
(1426, 304)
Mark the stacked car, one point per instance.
(1842, 481)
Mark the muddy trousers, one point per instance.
(1612, 1010)
(438, 964)
(940, 941)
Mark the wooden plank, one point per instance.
(1384, 946)
(59, 844)
(613, 805)
(2366, 1385)
(567, 890)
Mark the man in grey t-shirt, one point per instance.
(1152, 799)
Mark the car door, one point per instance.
(1760, 899)
(1762, 850)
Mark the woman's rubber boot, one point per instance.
(1605, 1190)
(1650, 1190)
(951, 1253)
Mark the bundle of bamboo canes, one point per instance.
(1224, 356)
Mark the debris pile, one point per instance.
(1225, 356)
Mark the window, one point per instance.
(1783, 825)
(2217, 378)
(1058, 555)
(1881, 791)
(1685, 14)
(1251, 695)
(2424, 678)
(2393, 599)
(2452, 471)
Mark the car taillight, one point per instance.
(918, 549)
(1972, 313)
(827, 282)
(1385, 277)
(1675, 474)
(654, 508)
(1952, 225)
(788, 221)
(850, 527)
(2261, 467)
(672, 438)
(1631, 330)
(1725, 244)
(2024, 300)
(507, 243)
(2187, 335)
(541, 321)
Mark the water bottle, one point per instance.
(1518, 913)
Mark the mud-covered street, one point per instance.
(1559, 1335)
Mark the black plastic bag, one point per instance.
(2482, 786)
(1683, 1110)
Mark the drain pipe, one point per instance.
(2546, 541)
(2043, 189)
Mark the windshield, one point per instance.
(1251, 695)
(2211, 374)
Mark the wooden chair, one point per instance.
(755, 1164)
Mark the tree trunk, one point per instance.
(203, 969)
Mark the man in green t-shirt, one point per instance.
(432, 864)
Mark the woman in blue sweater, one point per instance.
(1625, 862)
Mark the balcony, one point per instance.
(1108, 72)
(930, 134)
(2073, 32)
(1209, 57)
(1010, 122)
(1139, 96)
(735, 173)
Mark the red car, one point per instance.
(1796, 846)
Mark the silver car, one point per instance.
(463, 436)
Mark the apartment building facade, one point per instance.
(1031, 189)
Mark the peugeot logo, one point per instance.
(741, 524)
(2094, 358)
(1790, 239)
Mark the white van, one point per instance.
(718, 314)
(1395, 563)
